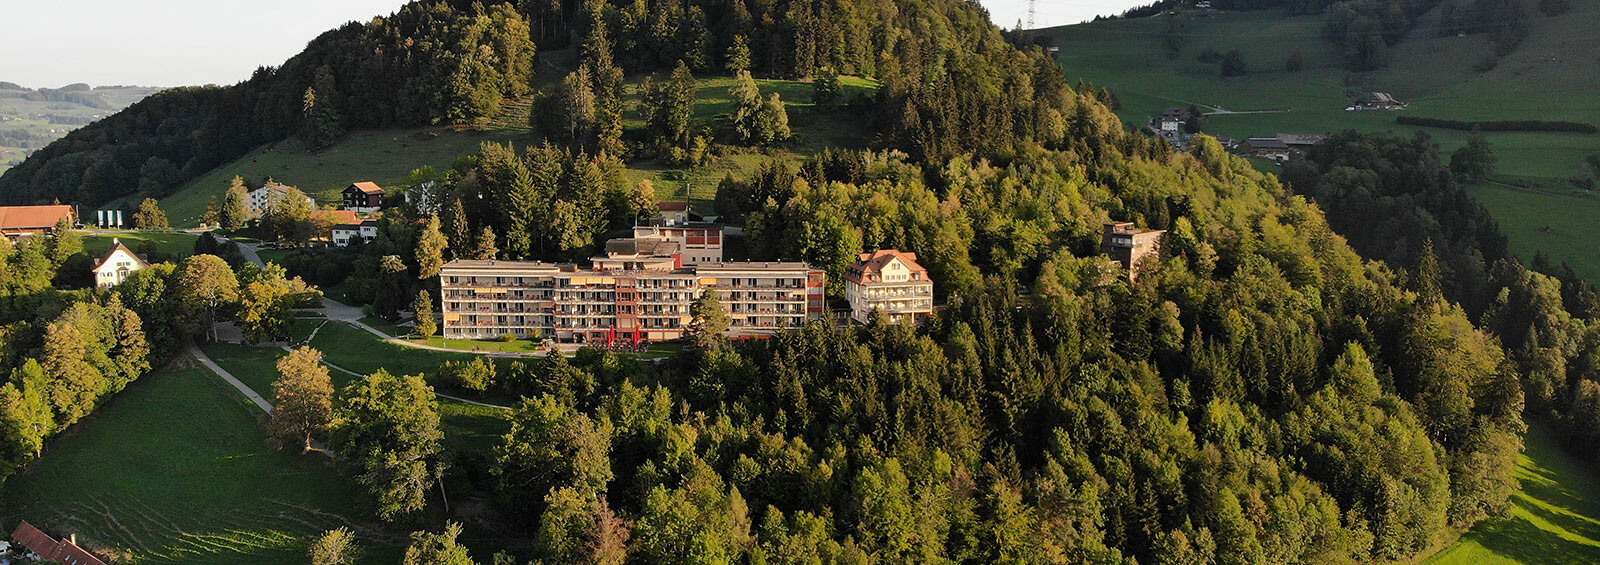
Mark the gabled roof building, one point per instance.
(17, 222)
(890, 281)
(64, 551)
(115, 266)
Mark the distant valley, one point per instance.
(32, 118)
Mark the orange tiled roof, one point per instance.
(368, 187)
(33, 217)
(50, 548)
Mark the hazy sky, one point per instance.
(185, 42)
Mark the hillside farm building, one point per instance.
(17, 222)
(1269, 147)
(1377, 101)
(365, 196)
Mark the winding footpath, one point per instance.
(229, 378)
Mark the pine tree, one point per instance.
(302, 400)
(484, 245)
(738, 56)
(747, 106)
(456, 228)
(774, 121)
(423, 307)
(430, 250)
(234, 210)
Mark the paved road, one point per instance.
(226, 376)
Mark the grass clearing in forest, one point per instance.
(1554, 519)
(175, 469)
(1562, 225)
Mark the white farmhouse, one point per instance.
(115, 267)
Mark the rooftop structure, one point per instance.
(890, 281)
(678, 211)
(1130, 245)
(17, 222)
(115, 266)
(1302, 140)
(698, 242)
(1377, 101)
(63, 551)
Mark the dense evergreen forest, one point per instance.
(1261, 393)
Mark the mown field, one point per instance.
(1555, 519)
(388, 156)
(1551, 76)
(178, 244)
(175, 469)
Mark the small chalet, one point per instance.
(1130, 245)
(116, 265)
(364, 196)
(1170, 123)
(59, 551)
(1269, 147)
(365, 232)
(17, 222)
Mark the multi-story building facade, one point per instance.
(624, 297)
(260, 198)
(1130, 245)
(891, 281)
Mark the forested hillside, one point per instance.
(1261, 392)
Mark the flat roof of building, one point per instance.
(498, 265)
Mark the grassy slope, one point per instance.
(1550, 77)
(1560, 225)
(1555, 519)
(176, 470)
(387, 156)
(175, 243)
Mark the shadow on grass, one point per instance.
(1519, 539)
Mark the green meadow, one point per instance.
(1555, 519)
(1551, 76)
(178, 244)
(175, 469)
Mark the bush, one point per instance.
(476, 375)
(506, 338)
(1502, 125)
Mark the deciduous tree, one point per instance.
(302, 401)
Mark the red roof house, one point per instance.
(18, 221)
(65, 551)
